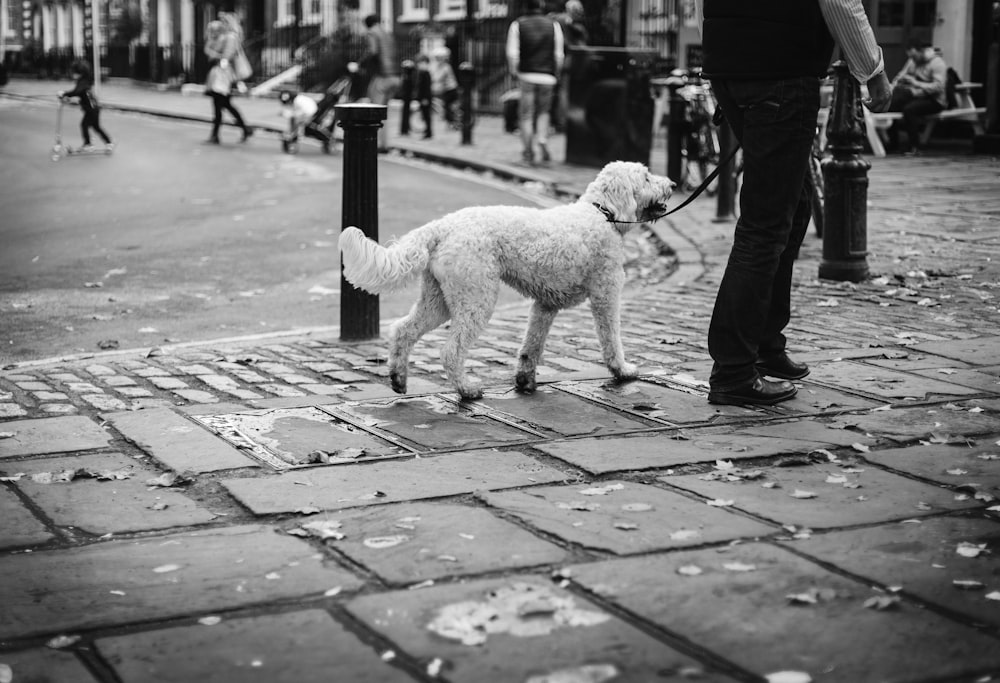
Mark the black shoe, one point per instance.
(213, 140)
(782, 367)
(760, 392)
(247, 132)
(546, 157)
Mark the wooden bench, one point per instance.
(965, 111)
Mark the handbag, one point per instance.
(241, 66)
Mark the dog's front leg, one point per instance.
(539, 324)
(605, 306)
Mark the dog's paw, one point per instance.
(626, 371)
(398, 381)
(470, 390)
(525, 382)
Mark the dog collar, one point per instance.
(611, 217)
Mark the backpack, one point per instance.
(951, 80)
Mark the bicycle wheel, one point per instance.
(816, 192)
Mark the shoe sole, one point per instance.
(768, 373)
(723, 400)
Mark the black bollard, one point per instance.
(725, 201)
(845, 176)
(676, 128)
(359, 314)
(467, 82)
(406, 89)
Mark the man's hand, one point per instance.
(879, 93)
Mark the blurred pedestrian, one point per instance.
(535, 57)
(91, 108)
(919, 89)
(382, 67)
(574, 35)
(444, 85)
(222, 45)
(765, 61)
(425, 93)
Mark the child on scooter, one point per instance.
(89, 105)
(299, 110)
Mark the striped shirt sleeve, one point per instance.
(850, 27)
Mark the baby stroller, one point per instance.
(317, 120)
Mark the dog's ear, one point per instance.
(617, 183)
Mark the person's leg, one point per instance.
(542, 122)
(96, 125)
(775, 121)
(526, 120)
(85, 124)
(913, 117)
(425, 113)
(227, 103)
(217, 105)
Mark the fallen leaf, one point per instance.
(788, 677)
(993, 595)
(60, 642)
(799, 493)
(382, 542)
(7, 435)
(626, 526)
(968, 584)
(602, 490)
(689, 570)
(684, 535)
(720, 503)
(6, 673)
(210, 621)
(637, 507)
(970, 549)
(164, 568)
(739, 567)
(860, 447)
(882, 602)
(307, 510)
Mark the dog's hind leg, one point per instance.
(427, 313)
(539, 324)
(607, 319)
(471, 307)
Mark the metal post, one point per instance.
(406, 93)
(466, 81)
(725, 204)
(359, 314)
(845, 175)
(676, 127)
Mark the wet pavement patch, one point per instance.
(923, 422)
(51, 435)
(434, 423)
(624, 517)
(158, 577)
(884, 383)
(342, 486)
(104, 493)
(745, 602)
(823, 496)
(20, 527)
(559, 413)
(520, 629)
(423, 541)
(285, 437)
(952, 562)
(296, 647)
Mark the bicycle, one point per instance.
(700, 151)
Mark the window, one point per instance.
(451, 9)
(415, 10)
(924, 12)
(890, 13)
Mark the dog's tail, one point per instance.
(377, 269)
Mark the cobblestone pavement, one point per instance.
(266, 509)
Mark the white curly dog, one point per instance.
(557, 256)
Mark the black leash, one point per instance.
(694, 195)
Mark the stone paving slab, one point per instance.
(177, 442)
(883, 382)
(744, 612)
(669, 449)
(624, 517)
(52, 435)
(976, 467)
(434, 423)
(979, 351)
(923, 559)
(410, 543)
(984, 380)
(297, 647)
(45, 666)
(157, 577)
(20, 527)
(560, 413)
(343, 486)
(106, 506)
(825, 496)
(924, 422)
(521, 629)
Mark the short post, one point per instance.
(725, 203)
(676, 128)
(467, 82)
(359, 314)
(845, 176)
(406, 89)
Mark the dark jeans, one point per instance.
(775, 122)
(92, 120)
(914, 110)
(223, 103)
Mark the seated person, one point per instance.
(917, 91)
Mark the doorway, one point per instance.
(896, 23)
